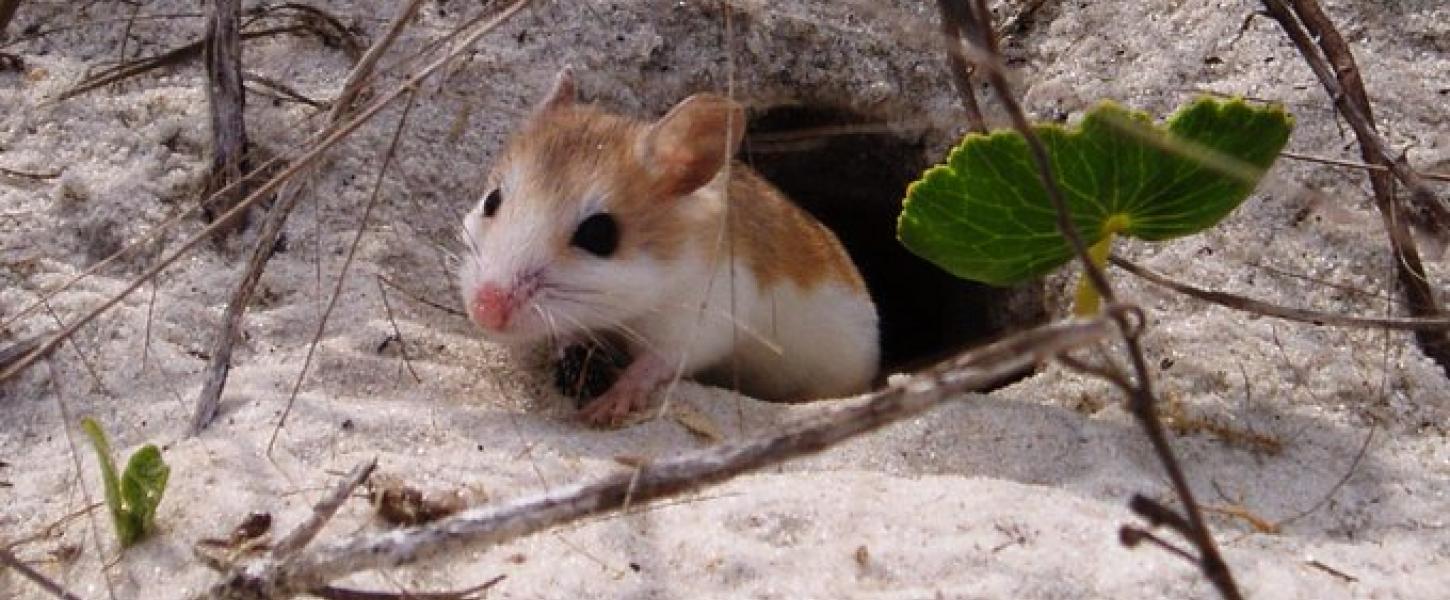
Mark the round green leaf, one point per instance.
(984, 215)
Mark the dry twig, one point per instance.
(960, 67)
(311, 154)
(342, 274)
(397, 333)
(170, 58)
(1142, 399)
(278, 91)
(1433, 176)
(221, 356)
(8, 560)
(304, 21)
(1259, 307)
(362, 72)
(38, 33)
(448, 310)
(36, 175)
(1334, 65)
(276, 579)
(323, 511)
(337, 593)
(226, 101)
(15, 351)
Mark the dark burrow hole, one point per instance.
(853, 178)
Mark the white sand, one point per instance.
(1014, 495)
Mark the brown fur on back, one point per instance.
(779, 240)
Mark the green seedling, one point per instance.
(984, 214)
(133, 496)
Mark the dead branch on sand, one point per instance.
(226, 101)
(311, 154)
(976, 25)
(1329, 56)
(9, 561)
(221, 355)
(277, 577)
(1259, 307)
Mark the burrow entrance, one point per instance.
(853, 179)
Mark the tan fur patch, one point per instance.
(781, 241)
(574, 150)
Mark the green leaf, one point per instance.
(125, 527)
(133, 496)
(143, 484)
(984, 215)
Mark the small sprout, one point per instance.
(135, 494)
(985, 216)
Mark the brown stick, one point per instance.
(226, 100)
(7, 559)
(397, 333)
(1142, 400)
(313, 150)
(364, 68)
(14, 352)
(323, 511)
(336, 593)
(1432, 176)
(1305, 23)
(169, 58)
(1346, 90)
(221, 357)
(497, 523)
(1351, 89)
(961, 68)
(224, 82)
(1259, 307)
(346, 265)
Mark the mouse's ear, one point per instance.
(561, 94)
(689, 145)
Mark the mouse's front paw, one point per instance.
(630, 393)
(616, 404)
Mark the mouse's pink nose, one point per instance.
(492, 307)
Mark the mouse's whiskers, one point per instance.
(619, 327)
(548, 320)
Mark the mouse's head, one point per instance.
(585, 214)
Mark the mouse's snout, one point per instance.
(492, 306)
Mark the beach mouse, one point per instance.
(594, 222)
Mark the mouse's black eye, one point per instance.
(490, 204)
(598, 234)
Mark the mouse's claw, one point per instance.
(630, 393)
(613, 406)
